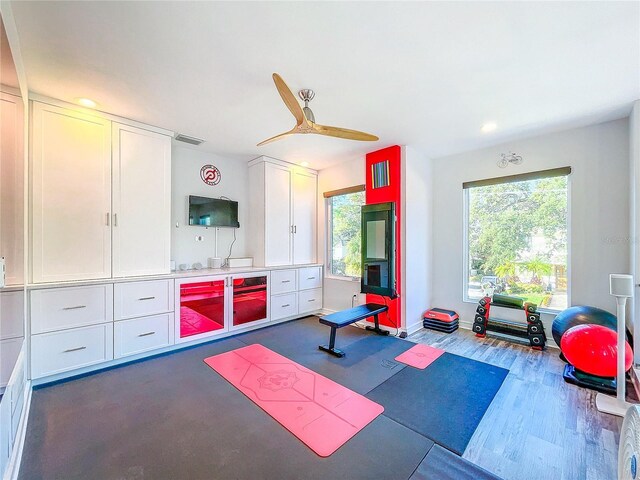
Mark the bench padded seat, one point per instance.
(347, 317)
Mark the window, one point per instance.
(343, 231)
(516, 238)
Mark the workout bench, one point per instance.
(347, 317)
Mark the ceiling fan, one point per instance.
(305, 120)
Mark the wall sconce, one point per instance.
(510, 158)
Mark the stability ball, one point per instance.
(573, 316)
(593, 349)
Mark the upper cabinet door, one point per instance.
(71, 195)
(12, 187)
(141, 201)
(278, 225)
(305, 195)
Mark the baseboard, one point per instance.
(13, 468)
(416, 327)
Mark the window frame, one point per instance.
(465, 244)
(329, 233)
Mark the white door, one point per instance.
(305, 195)
(12, 187)
(71, 195)
(141, 201)
(278, 224)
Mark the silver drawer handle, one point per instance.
(146, 334)
(286, 281)
(146, 298)
(311, 278)
(312, 300)
(75, 308)
(286, 305)
(74, 349)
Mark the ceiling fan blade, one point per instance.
(289, 99)
(344, 133)
(277, 137)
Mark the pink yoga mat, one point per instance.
(420, 356)
(320, 412)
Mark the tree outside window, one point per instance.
(344, 233)
(517, 240)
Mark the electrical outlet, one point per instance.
(199, 238)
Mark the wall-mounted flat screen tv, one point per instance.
(213, 212)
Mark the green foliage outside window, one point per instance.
(517, 239)
(345, 234)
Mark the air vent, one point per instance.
(189, 140)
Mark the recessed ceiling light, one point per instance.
(85, 102)
(304, 164)
(488, 127)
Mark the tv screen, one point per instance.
(213, 212)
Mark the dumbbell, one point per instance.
(531, 307)
(481, 310)
(480, 319)
(533, 317)
(483, 302)
(479, 328)
(535, 328)
(536, 340)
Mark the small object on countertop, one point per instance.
(197, 266)
(183, 267)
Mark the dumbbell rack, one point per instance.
(531, 331)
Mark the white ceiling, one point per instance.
(424, 74)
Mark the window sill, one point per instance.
(547, 311)
(342, 279)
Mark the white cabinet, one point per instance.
(283, 281)
(11, 331)
(309, 300)
(284, 305)
(69, 307)
(309, 277)
(12, 187)
(58, 352)
(303, 207)
(138, 299)
(141, 201)
(283, 213)
(140, 335)
(71, 195)
(101, 195)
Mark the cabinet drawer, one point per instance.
(59, 308)
(137, 299)
(285, 305)
(11, 314)
(310, 300)
(71, 349)
(283, 281)
(142, 334)
(309, 277)
(9, 352)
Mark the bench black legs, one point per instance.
(331, 348)
(377, 328)
(332, 343)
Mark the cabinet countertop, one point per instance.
(204, 272)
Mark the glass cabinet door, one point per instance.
(202, 307)
(249, 299)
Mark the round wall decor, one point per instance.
(210, 175)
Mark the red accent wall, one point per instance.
(391, 193)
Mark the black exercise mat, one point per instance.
(444, 402)
(173, 417)
(441, 464)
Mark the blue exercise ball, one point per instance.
(581, 315)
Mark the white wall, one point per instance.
(417, 237)
(599, 209)
(185, 181)
(337, 292)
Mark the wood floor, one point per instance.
(538, 426)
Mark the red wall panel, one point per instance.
(391, 193)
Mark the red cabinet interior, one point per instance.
(249, 300)
(201, 307)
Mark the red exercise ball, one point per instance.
(593, 349)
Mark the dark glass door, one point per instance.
(249, 300)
